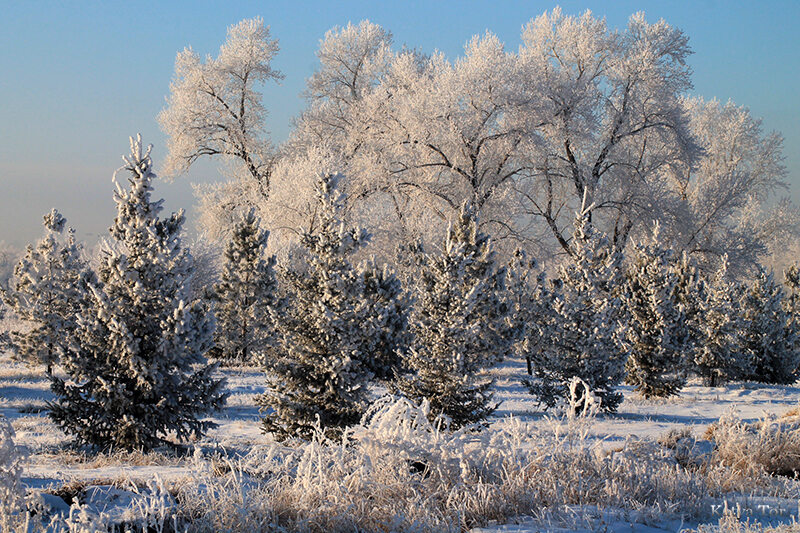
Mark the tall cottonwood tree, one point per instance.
(215, 110)
(579, 110)
(724, 196)
(136, 371)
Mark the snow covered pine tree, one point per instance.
(47, 289)
(319, 375)
(383, 309)
(137, 371)
(658, 333)
(768, 338)
(717, 357)
(459, 326)
(244, 295)
(583, 340)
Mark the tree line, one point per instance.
(131, 336)
(567, 204)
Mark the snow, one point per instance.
(24, 391)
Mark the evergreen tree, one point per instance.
(657, 335)
(717, 358)
(459, 326)
(48, 286)
(531, 312)
(690, 291)
(136, 370)
(791, 278)
(768, 338)
(320, 372)
(245, 293)
(384, 330)
(583, 339)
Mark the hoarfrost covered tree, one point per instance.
(604, 108)
(215, 110)
(459, 326)
(717, 359)
(580, 109)
(531, 307)
(384, 308)
(584, 337)
(329, 133)
(352, 60)
(768, 336)
(320, 374)
(658, 334)
(245, 294)
(725, 193)
(47, 289)
(445, 133)
(136, 372)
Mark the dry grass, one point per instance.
(730, 523)
(771, 445)
(399, 472)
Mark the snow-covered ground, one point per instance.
(24, 392)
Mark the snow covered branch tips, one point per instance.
(320, 375)
(47, 289)
(459, 326)
(245, 294)
(136, 371)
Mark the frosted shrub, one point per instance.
(771, 445)
(81, 519)
(399, 471)
(12, 494)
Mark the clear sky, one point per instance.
(77, 78)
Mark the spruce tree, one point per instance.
(136, 370)
(717, 358)
(791, 279)
(531, 313)
(245, 294)
(384, 308)
(690, 291)
(320, 375)
(46, 291)
(657, 335)
(768, 338)
(459, 326)
(583, 339)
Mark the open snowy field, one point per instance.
(53, 467)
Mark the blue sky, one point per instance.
(77, 78)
